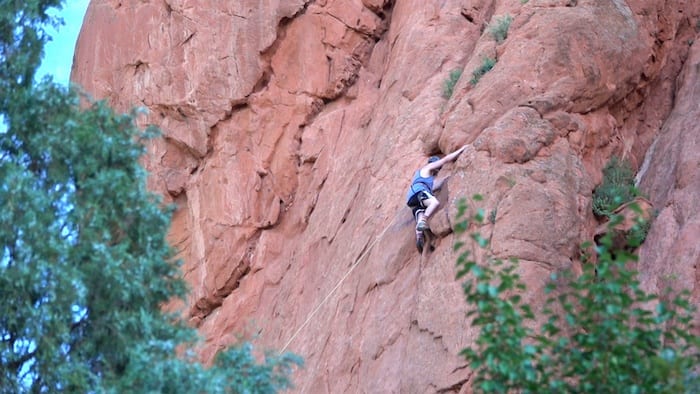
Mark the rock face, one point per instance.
(291, 130)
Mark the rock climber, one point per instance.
(420, 196)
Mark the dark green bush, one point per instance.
(616, 188)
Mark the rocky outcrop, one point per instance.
(291, 130)
(670, 258)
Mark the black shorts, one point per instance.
(416, 202)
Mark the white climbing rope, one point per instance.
(357, 262)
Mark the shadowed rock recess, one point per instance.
(292, 128)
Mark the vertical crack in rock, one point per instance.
(389, 343)
(188, 38)
(314, 201)
(267, 53)
(168, 7)
(376, 284)
(345, 214)
(206, 305)
(236, 106)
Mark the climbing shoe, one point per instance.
(420, 242)
(422, 225)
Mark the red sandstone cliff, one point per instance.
(291, 129)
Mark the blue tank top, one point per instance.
(420, 183)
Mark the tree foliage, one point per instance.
(22, 39)
(599, 332)
(85, 267)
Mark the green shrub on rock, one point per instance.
(486, 66)
(616, 188)
(499, 28)
(450, 82)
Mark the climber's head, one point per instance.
(433, 159)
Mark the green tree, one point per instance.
(85, 267)
(600, 333)
(22, 39)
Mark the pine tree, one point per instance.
(85, 267)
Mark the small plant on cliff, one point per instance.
(598, 332)
(450, 82)
(85, 266)
(486, 66)
(499, 28)
(616, 188)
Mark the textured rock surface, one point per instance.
(291, 129)
(671, 256)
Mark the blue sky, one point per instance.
(58, 54)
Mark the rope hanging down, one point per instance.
(311, 315)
